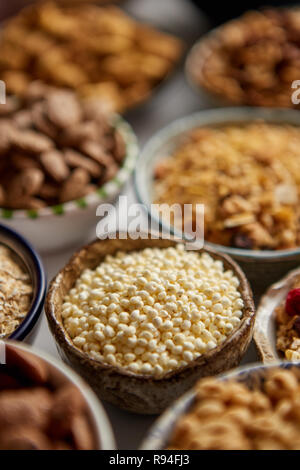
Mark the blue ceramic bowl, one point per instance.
(32, 262)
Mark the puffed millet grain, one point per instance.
(153, 311)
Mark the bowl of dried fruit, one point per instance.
(242, 164)
(46, 406)
(22, 287)
(277, 331)
(61, 158)
(253, 408)
(142, 319)
(252, 60)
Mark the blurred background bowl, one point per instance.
(55, 228)
(160, 434)
(219, 12)
(262, 268)
(27, 330)
(60, 375)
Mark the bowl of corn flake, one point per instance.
(243, 165)
(22, 287)
(252, 408)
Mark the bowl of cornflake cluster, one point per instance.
(60, 158)
(141, 320)
(242, 164)
(277, 328)
(22, 287)
(253, 408)
(46, 406)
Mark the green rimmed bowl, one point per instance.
(55, 228)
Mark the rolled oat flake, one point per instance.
(15, 292)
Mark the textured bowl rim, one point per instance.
(108, 191)
(37, 304)
(211, 117)
(160, 431)
(261, 336)
(105, 437)
(247, 319)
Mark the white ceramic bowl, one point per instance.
(160, 433)
(55, 228)
(265, 323)
(97, 417)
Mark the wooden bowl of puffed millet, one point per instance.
(142, 320)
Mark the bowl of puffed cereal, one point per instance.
(22, 287)
(242, 164)
(254, 408)
(141, 319)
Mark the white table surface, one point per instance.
(173, 100)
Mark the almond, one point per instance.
(55, 165)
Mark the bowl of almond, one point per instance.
(46, 406)
(60, 159)
(252, 408)
(242, 165)
(142, 319)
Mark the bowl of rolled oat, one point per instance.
(252, 60)
(242, 164)
(142, 319)
(254, 408)
(22, 287)
(61, 158)
(277, 332)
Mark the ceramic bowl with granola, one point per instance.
(243, 165)
(60, 158)
(252, 60)
(277, 333)
(252, 408)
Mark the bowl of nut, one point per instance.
(142, 319)
(61, 158)
(253, 408)
(242, 164)
(96, 51)
(277, 329)
(252, 60)
(46, 406)
(23, 287)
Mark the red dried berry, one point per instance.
(292, 304)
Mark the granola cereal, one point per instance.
(15, 292)
(252, 60)
(287, 316)
(227, 415)
(96, 51)
(247, 176)
(55, 148)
